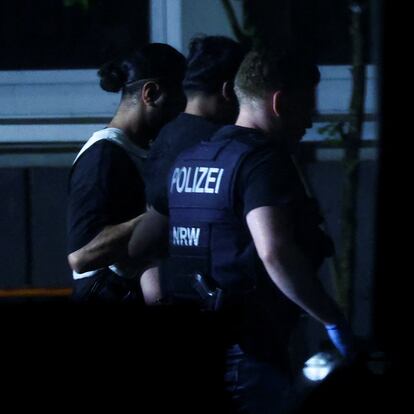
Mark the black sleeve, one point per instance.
(270, 179)
(160, 204)
(103, 190)
(159, 162)
(264, 179)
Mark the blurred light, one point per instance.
(319, 366)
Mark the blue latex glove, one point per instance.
(343, 338)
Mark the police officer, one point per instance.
(212, 63)
(106, 187)
(242, 238)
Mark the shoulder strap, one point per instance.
(115, 135)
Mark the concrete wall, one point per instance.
(69, 105)
(325, 179)
(33, 228)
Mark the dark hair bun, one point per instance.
(154, 60)
(112, 77)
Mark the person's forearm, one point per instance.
(293, 275)
(149, 239)
(108, 247)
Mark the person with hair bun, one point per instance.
(106, 186)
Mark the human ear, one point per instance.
(150, 92)
(277, 102)
(227, 90)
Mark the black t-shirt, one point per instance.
(268, 177)
(183, 132)
(105, 188)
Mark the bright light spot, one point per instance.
(319, 366)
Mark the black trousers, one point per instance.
(255, 386)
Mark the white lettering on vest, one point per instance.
(216, 190)
(200, 180)
(186, 236)
(211, 179)
(195, 179)
(187, 188)
(203, 171)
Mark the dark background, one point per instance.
(57, 34)
(319, 28)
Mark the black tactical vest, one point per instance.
(207, 237)
(210, 246)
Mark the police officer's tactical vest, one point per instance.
(211, 250)
(208, 239)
